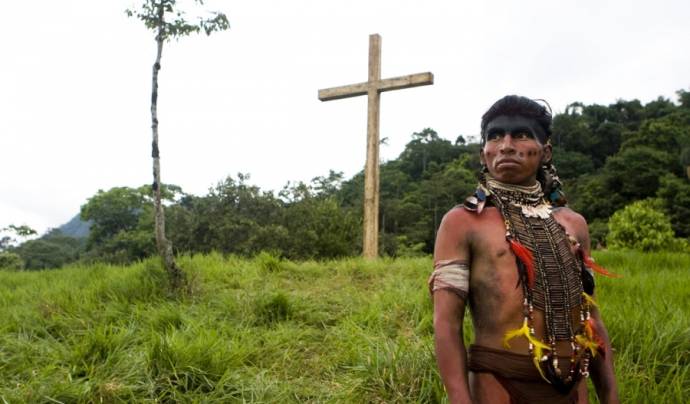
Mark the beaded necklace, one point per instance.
(553, 279)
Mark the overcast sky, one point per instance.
(75, 82)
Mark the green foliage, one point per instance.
(7, 241)
(154, 15)
(674, 192)
(595, 130)
(598, 231)
(592, 196)
(122, 223)
(572, 164)
(21, 231)
(426, 147)
(50, 251)
(11, 261)
(403, 248)
(332, 331)
(113, 211)
(634, 172)
(306, 221)
(642, 226)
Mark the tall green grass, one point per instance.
(266, 330)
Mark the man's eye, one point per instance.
(495, 135)
(523, 134)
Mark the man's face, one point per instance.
(513, 152)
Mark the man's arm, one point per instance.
(601, 367)
(451, 355)
(449, 309)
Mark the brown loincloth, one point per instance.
(518, 376)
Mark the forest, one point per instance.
(625, 168)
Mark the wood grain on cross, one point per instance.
(373, 89)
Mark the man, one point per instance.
(523, 264)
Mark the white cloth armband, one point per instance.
(451, 274)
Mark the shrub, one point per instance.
(643, 226)
(598, 230)
(11, 261)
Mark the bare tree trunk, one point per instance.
(175, 274)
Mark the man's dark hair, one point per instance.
(512, 105)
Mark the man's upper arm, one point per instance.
(582, 232)
(451, 255)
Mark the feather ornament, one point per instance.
(589, 299)
(587, 344)
(537, 364)
(525, 256)
(589, 262)
(539, 347)
(593, 338)
(589, 328)
(524, 331)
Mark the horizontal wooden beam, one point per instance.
(336, 93)
(411, 80)
(394, 83)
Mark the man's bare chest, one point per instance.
(494, 275)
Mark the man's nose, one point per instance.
(506, 145)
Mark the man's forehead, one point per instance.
(512, 122)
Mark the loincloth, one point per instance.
(518, 376)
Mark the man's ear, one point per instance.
(481, 157)
(547, 153)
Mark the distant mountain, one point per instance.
(76, 228)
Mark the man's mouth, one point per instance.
(507, 162)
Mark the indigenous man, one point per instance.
(522, 260)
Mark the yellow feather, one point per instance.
(589, 331)
(539, 348)
(524, 330)
(590, 300)
(537, 344)
(587, 344)
(538, 366)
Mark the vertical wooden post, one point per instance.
(371, 169)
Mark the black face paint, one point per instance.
(517, 126)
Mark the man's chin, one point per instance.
(512, 178)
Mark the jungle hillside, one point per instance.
(626, 157)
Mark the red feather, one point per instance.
(589, 262)
(592, 335)
(525, 256)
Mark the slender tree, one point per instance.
(154, 14)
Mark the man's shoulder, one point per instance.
(461, 217)
(457, 212)
(570, 215)
(574, 223)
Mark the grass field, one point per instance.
(265, 330)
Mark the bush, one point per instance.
(643, 226)
(598, 230)
(11, 261)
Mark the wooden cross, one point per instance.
(373, 89)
